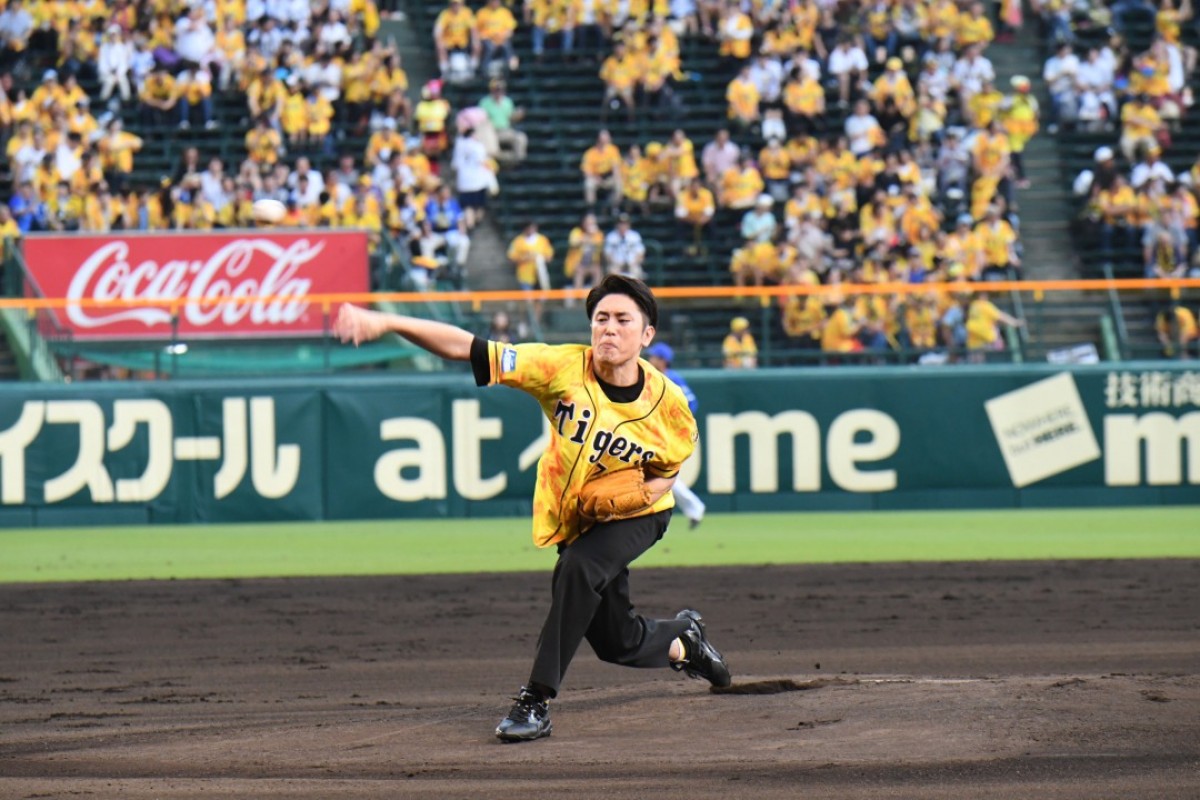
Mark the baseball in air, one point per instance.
(269, 211)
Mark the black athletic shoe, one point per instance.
(702, 660)
(529, 718)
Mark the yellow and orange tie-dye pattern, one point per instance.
(589, 433)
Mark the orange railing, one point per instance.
(1037, 288)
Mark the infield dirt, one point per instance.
(976, 680)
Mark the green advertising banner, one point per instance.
(408, 446)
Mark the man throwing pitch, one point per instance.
(619, 432)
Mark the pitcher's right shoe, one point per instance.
(701, 660)
(529, 718)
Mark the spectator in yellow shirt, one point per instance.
(743, 98)
(388, 85)
(804, 103)
(840, 332)
(804, 320)
(1178, 332)
(585, 246)
(694, 208)
(739, 348)
(431, 115)
(530, 252)
(735, 32)
(659, 68)
(636, 173)
(194, 88)
(1140, 124)
(997, 240)
(620, 72)
(974, 28)
(454, 31)
(158, 98)
(294, 117)
(494, 25)
(601, 170)
(550, 18)
(116, 149)
(263, 143)
(741, 185)
(356, 90)
(776, 167)
(231, 53)
(680, 158)
(921, 321)
(982, 331)
(102, 211)
(319, 118)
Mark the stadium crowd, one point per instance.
(305, 77)
(1136, 209)
(862, 143)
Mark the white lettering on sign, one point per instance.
(470, 430)
(1153, 389)
(843, 452)
(107, 275)
(1168, 442)
(427, 459)
(274, 469)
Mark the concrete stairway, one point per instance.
(1061, 319)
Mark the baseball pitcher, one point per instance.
(619, 433)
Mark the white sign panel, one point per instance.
(1042, 429)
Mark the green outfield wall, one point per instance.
(418, 446)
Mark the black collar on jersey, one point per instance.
(623, 394)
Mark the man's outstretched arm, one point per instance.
(357, 325)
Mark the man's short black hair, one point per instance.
(630, 287)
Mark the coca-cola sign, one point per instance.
(107, 281)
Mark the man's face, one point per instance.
(619, 330)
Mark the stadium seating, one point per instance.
(563, 102)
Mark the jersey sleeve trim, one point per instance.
(481, 362)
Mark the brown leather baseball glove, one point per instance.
(619, 494)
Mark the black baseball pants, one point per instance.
(590, 599)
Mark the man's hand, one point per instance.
(358, 325)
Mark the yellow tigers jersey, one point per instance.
(295, 113)
(838, 334)
(921, 323)
(972, 30)
(682, 159)
(743, 99)
(454, 28)
(995, 241)
(740, 186)
(319, 114)
(579, 241)
(525, 253)
(263, 146)
(589, 433)
(774, 165)
(982, 316)
(805, 96)
(739, 351)
(635, 178)
(1184, 318)
(695, 207)
(804, 316)
(620, 73)
(231, 43)
(495, 25)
